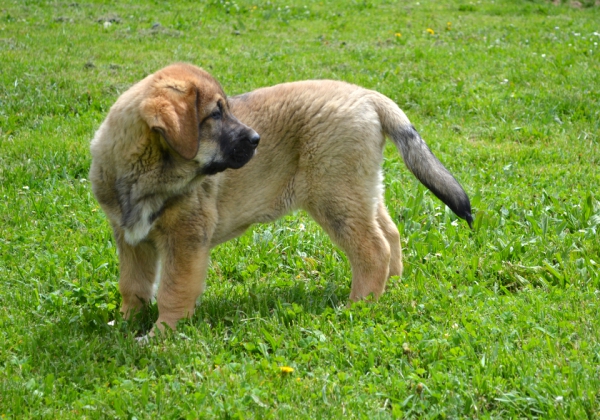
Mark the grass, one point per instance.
(498, 322)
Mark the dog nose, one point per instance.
(254, 139)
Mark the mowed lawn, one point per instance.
(501, 321)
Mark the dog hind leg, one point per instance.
(390, 231)
(362, 239)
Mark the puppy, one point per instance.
(175, 171)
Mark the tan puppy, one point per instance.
(163, 172)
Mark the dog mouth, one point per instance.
(240, 156)
(235, 156)
(241, 151)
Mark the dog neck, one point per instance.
(151, 176)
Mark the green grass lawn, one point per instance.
(499, 322)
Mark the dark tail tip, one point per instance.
(463, 209)
(455, 198)
(469, 220)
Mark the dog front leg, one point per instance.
(137, 267)
(182, 281)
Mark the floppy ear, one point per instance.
(174, 114)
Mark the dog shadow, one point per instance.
(266, 301)
(81, 346)
(226, 307)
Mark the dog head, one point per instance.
(189, 109)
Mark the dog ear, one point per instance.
(174, 114)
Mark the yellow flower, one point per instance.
(398, 34)
(431, 31)
(449, 26)
(286, 369)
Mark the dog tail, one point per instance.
(420, 160)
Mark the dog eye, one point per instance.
(216, 114)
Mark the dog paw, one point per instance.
(143, 340)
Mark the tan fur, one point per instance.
(320, 150)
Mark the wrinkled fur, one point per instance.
(162, 178)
